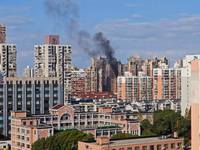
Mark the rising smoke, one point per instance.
(67, 11)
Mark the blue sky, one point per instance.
(148, 28)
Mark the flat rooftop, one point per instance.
(139, 140)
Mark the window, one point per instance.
(31, 122)
(173, 145)
(37, 102)
(9, 102)
(18, 136)
(166, 146)
(55, 88)
(28, 102)
(129, 148)
(19, 95)
(152, 147)
(137, 148)
(46, 88)
(1, 89)
(1, 103)
(180, 144)
(19, 89)
(121, 148)
(159, 147)
(1, 117)
(144, 147)
(27, 138)
(28, 131)
(1, 124)
(19, 103)
(22, 137)
(46, 95)
(28, 89)
(18, 129)
(1, 95)
(28, 146)
(24, 123)
(55, 95)
(9, 89)
(28, 95)
(23, 130)
(37, 95)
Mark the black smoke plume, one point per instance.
(67, 12)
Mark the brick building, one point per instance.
(140, 143)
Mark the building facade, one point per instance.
(8, 58)
(135, 88)
(140, 143)
(78, 80)
(166, 83)
(2, 34)
(37, 95)
(186, 83)
(28, 72)
(26, 130)
(194, 99)
(54, 60)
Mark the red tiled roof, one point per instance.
(57, 106)
(89, 93)
(94, 96)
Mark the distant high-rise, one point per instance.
(166, 83)
(54, 60)
(2, 33)
(186, 82)
(28, 72)
(8, 64)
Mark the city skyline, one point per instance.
(147, 28)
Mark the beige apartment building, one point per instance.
(2, 33)
(54, 60)
(166, 83)
(8, 64)
(134, 88)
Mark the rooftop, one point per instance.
(137, 140)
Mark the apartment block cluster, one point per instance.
(32, 106)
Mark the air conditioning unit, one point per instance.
(163, 147)
(177, 147)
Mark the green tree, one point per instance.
(145, 124)
(66, 140)
(123, 135)
(147, 132)
(139, 116)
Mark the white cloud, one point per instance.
(136, 16)
(7, 10)
(173, 38)
(26, 53)
(15, 20)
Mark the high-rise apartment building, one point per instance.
(28, 72)
(194, 99)
(137, 64)
(78, 80)
(166, 83)
(2, 33)
(106, 73)
(8, 64)
(135, 88)
(186, 82)
(36, 95)
(54, 60)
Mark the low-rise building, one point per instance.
(139, 143)
(26, 130)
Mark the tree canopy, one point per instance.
(123, 135)
(66, 140)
